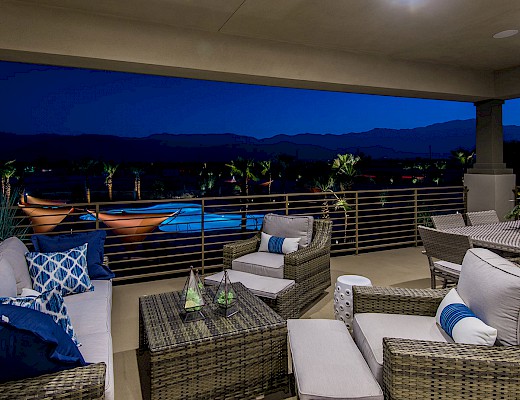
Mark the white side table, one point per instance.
(343, 297)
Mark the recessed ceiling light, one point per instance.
(505, 34)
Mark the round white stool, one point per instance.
(343, 298)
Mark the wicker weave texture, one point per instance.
(448, 221)
(308, 267)
(240, 357)
(81, 383)
(389, 300)
(286, 304)
(415, 369)
(482, 217)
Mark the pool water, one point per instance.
(189, 218)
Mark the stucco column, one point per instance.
(490, 182)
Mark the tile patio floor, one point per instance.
(403, 267)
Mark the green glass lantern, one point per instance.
(192, 300)
(226, 297)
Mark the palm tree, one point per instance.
(266, 170)
(86, 168)
(109, 170)
(464, 157)
(137, 182)
(244, 169)
(6, 173)
(339, 203)
(344, 166)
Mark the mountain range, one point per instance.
(435, 140)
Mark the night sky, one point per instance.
(44, 99)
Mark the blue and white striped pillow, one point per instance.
(65, 269)
(279, 245)
(461, 324)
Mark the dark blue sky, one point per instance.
(38, 98)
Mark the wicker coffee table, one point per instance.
(240, 357)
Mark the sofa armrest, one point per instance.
(415, 369)
(77, 383)
(238, 249)
(390, 300)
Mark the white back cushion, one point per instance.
(290, 226)
(490, 287)
(13, 251)
(7, 280)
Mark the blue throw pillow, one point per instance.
(66, 270)
(95, 252)
(50, 303)
(33, 345)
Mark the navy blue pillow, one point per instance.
(95, 250)
(32, 344)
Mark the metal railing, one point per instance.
(377, 219)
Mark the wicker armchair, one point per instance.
(482, 217)
(414, 369)
(449, 250)
(85, 383)
(308, 267)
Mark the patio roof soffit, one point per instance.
(69, 37)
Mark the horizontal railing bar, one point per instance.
(377, 219)
(378, 240)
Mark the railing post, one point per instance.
(357, 222)
(465, 198)
(97, 216)
(286, 204)
(203, 244)
(416, 216)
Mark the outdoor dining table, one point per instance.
(504, 236)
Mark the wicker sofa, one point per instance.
(414, 368)
(309, 266)
(90, 315)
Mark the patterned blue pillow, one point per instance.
(51, 303)
(66, 270)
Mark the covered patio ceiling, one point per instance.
(441, 49)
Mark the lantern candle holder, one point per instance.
(192, 300)
(226, 297)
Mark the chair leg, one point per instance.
(444, 283)
(433, 283)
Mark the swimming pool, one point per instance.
(188, 219)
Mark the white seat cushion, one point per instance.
(95, 348)
(490, 287)
(327, 364)
(370, 329)
(90, 312)
(260, 263)
(262, 286)
(447, 266)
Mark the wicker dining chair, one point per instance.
(448, 249)
(309, 267)
(448, 221)
(482, 217)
